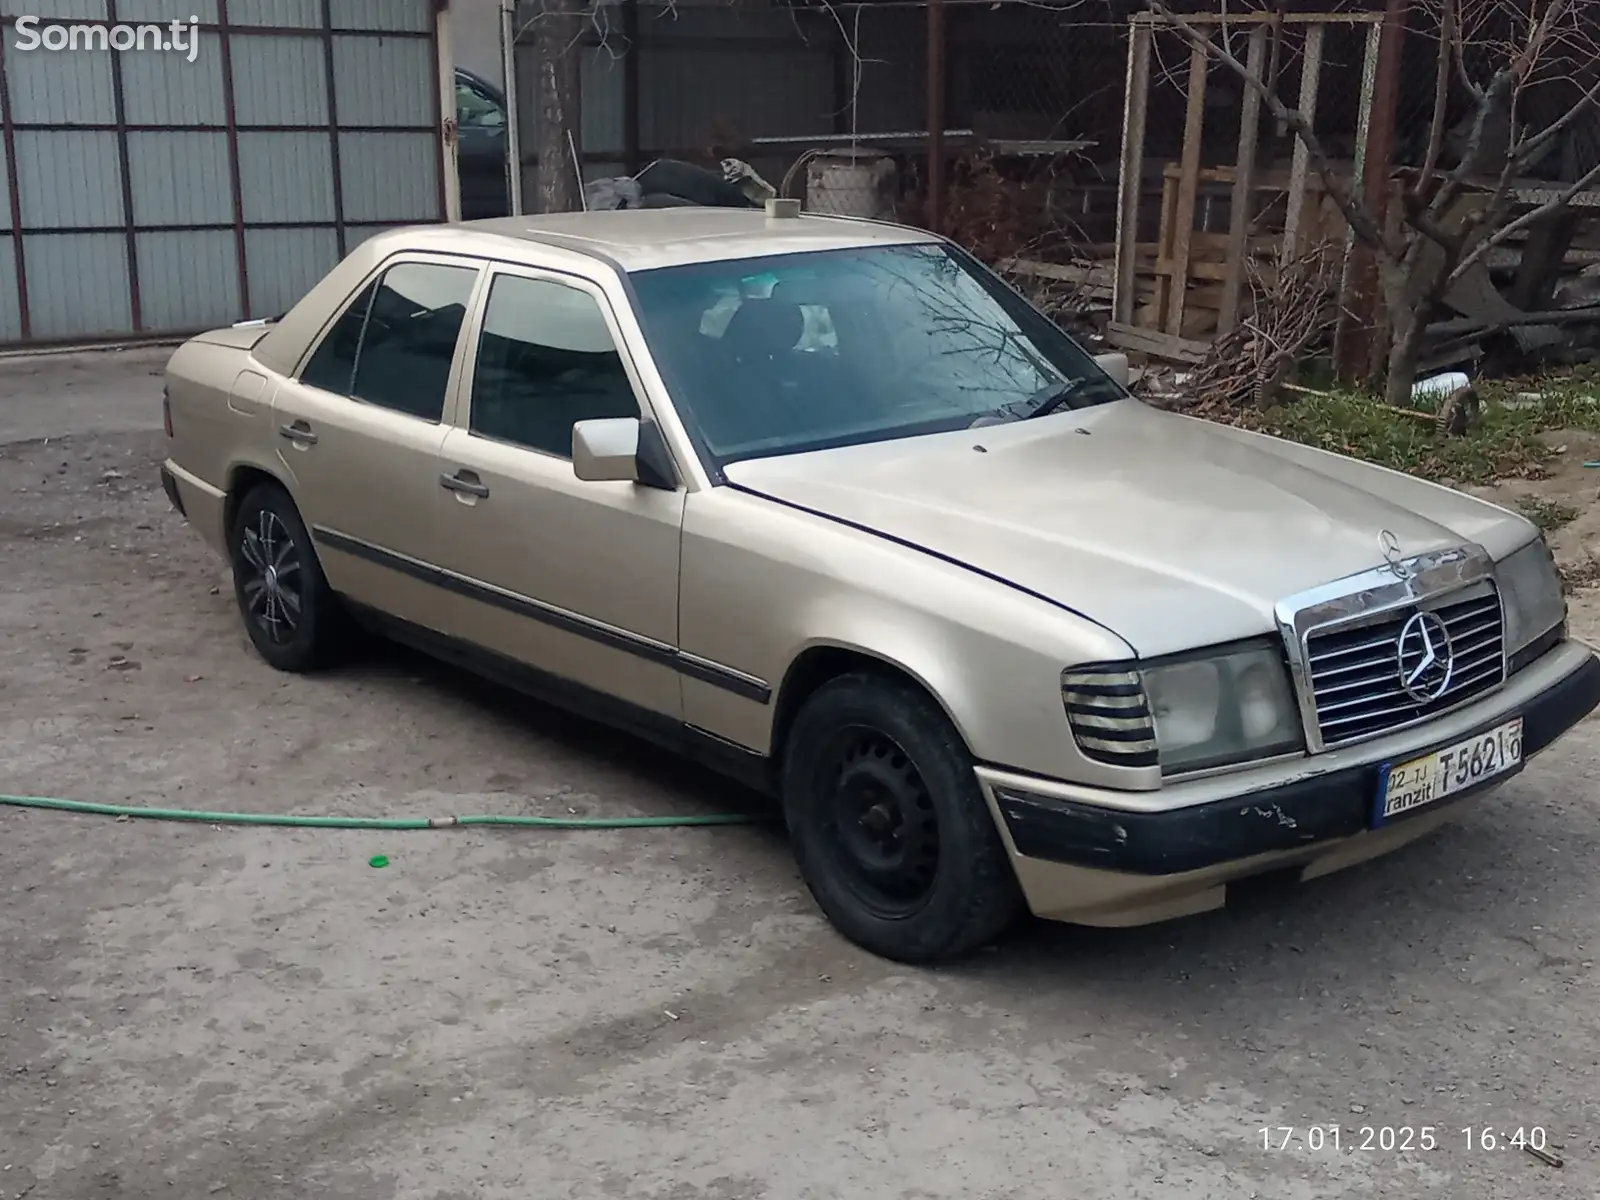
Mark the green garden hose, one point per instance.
(390, 823)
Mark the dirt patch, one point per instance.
(1569, 490)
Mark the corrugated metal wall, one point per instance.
(144, 193)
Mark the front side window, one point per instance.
(394, 345)
(546, 360)
(799, 352)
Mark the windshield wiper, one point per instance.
(1049, 398)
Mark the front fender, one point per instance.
(763, 586)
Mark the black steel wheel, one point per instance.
(888, 824)
(883, 837)
(288, 610)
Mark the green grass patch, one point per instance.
(1546, 514)
(1506, 443)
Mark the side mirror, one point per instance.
(606, 450)
(1114, 365)
(622, 450)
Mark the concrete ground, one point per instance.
(191, 1011)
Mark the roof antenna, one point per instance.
(782, 208)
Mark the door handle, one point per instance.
(298, 431)
(464, 481)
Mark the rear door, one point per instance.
(360, 428)
(577, 579)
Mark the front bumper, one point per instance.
(1132, 851)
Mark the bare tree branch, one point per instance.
(1504, 234)
(1534, 146)
(1441, 93)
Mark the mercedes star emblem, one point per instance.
(1425, 659)
(1391, 554)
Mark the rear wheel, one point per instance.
(889, 826)
(289, 612)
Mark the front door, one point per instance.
(576, 579)
(360, 430)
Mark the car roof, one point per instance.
(643, 239)
(632, 240)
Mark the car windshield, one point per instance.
(796, 352)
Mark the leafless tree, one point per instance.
(1499, 63)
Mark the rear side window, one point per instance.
(333, 367)
(546, 360)
(395, 349)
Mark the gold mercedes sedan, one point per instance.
(825, 504)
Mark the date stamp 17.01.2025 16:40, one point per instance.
(1533, 1140)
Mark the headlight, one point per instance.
(1530, 593)
(1225, 706)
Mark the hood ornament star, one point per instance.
(1390, 545)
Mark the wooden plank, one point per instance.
(1264, 17)
(1347, 268)
(1266, 179)
(1136, 101)
(1096, 282)
(1211, 272)
(1169, 207)
(1156, 344)
(1243, 184)
(1310, 81)
(1067, 272)
(1188, 184)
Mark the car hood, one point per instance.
(1170, 531)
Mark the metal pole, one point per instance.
(508, 57)
(936, 73)
(630, 87)
(444, 107)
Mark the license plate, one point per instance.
(1447, 771)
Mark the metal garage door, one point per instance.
(141, 192)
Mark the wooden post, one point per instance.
(1542, 255)
(1188, 189)
(1310, 79)
(1243, 185)
(1136, 103)
(1361, 311)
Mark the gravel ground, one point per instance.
(190, 1011)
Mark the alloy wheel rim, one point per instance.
(272, 574)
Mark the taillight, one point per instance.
(166, 411)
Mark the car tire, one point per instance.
(888, 824)
(292, 617)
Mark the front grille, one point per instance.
(1355, 672)
(1110, 717)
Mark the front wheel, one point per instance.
(289, 612)
(888, 823)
